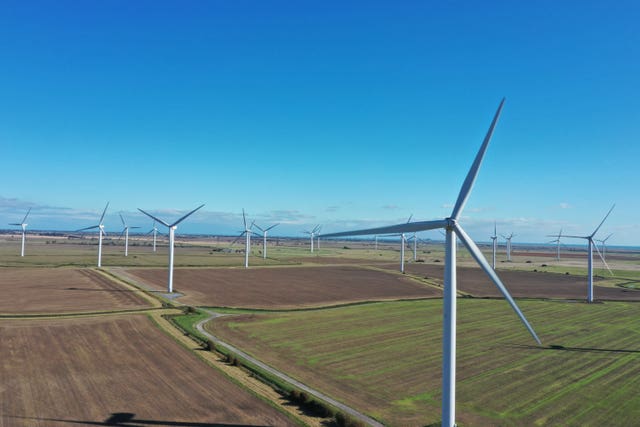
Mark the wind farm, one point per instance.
(205, 214)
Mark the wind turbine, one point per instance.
(312, 234)
(264, 238)
(125, 231)
(604, 246)
(154, 230)
(590, 246)
(318, 237)
(101, 233)
(172, 229)
(494, 242)
(557, 242)
(508, 239)
(247, 233)
(23, 224)
(453, 229)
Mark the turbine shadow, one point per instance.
(127, 419)
(555, 347)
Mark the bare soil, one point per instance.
(525, 284)
(62, 290)
(285, 287)
(115, 371)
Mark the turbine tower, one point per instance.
(453, 229)
(125, 231)
(557, 242)
(494, 243)
(23, 224)
(264, 238)
(590, 246)
(604, 246)
(101, 233)
(312, 234)
(154, 230)
(247, 233)
(508, 239)
(172, 229)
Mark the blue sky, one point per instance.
(347, 114)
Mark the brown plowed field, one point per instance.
(288, 287)
(525, 284)
(114, 371)
(62, 290)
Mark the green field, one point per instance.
(385, 359)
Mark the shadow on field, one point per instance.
(578, 349)
(127, 419)
(98, 290)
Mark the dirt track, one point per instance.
(117, 365)
(524, 284)
(62, 290)
(289, 287)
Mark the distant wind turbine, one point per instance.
(591, 245)
(604, 246)
(508, 239)
(23, 224)
(494, 239)
(172, 229)
(101, 233)
(125, 231)
(154, 230)
(453, 228)
(247, 234)
(557, 242)
(264, 238)
(312, 234)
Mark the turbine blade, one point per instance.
(398, 228)
(274, 225)
(603, 220)
(607, 238)
(13, 223)
(475, 167)
(122, 219)
(602, 258)
(103, 212)
(83, 229)
(133, 227)
(25, 217)
(410, 216)
(154, 218)
(244, 219)
(258, 227)
(480, 259)
(185, 216)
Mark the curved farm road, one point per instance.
(347, 409)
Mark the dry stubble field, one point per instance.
(62, 290)
(285, 287)
(64, 372)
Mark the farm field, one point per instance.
(524, 283)
(63, 290)
(114, 371)
(385, 359)
(286, 287)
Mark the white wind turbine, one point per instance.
(453, 229)
(101, 233)
(604, 246)
(557, 242)
(494, 242)
(247, 233)
(508, 239)
(125, 231)
(264, 238)
(172, 229)
(590, 246)
(154, 230)
(23, 224)
(312, 234)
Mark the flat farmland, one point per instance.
(114, 371)
(285, 287)
(385, 359)
(62, 290)
(524, 283)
